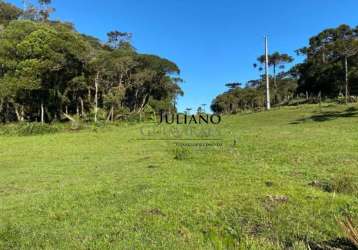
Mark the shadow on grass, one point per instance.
(338, 243)
(329, 116)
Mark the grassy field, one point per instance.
(105, 189)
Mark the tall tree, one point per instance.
(45, 9)
(346, 46)
(276, 61)
(330, 59)
(117, 39)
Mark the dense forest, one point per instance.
(51, 72)
(329, 71)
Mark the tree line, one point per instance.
(51, 72)
(329, 70)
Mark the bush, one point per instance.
(181, 153)
(133, 118)
(101, 115)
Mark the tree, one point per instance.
(76, 91)
(276, 60)
(126, 78)
(45, 10)
(49, 71)
(345, 46)
(44, 60)
(39, 12)
(8, 12)
(239, 99)
(153, 77)
(233, 85)
(114, 100)
(252, 96)
(117, 39)
(330, 60)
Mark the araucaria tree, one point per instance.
(331, 65)
(276, 61)
(49, 71)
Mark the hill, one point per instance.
(280, 180)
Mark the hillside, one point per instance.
(104, 188)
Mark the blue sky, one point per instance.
(212, 41)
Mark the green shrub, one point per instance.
(101, 115)
(182, 153)
(133, 118)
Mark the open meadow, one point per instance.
(281, 180)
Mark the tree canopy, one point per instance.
(49, 71)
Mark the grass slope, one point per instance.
(106, 190)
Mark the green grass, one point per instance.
(103, 189)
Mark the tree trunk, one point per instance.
(320, 98)
(6, 111)
(18, 116)
(274, 77)
(1, 110)
(77, 109)
(42, 113)
(22, 113)
(70, 118)
(120, 81)
(89, 95)
(346, 77)
(109, 116)
(112, 114)
(135, 99)
(154, 116)
(145, 100)
(66, 110)
(96, 97)
(82, 107)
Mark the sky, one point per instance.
(214, 42)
